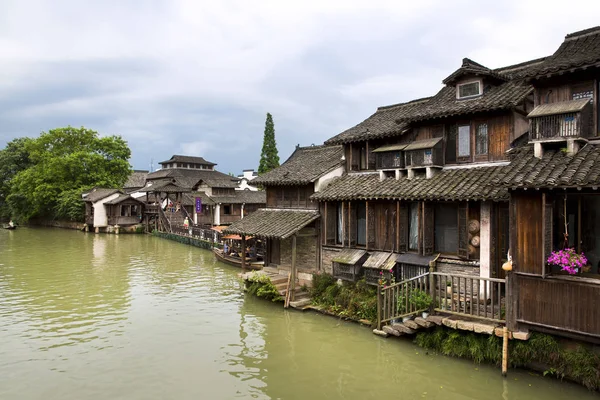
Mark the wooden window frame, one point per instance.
(463, 84)
(481, 156)
(468, 158)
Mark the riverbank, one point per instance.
(548, 355)
(203, 244)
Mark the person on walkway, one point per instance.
(186, 223)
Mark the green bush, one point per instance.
(581, 365)
(350, 300)
(261, 286)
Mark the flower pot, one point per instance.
(425, 314)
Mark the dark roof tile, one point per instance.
(273, 223)
(187, 159)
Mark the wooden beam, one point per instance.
(293, 271)
(324, 241)
(397, 226)
(367, 224)
(243, 253)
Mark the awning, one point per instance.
(422, 144)
(349, 256)
(377, 260)
(561, 107)
(235, 237)
(391, 147)
(415, 259)
(219, 228)
(273, 223)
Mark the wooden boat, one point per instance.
(10, 227)
(237, 261)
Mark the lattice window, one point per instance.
(481, 140)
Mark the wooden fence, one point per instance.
(474, 297)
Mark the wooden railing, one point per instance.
(164, 221)
(471, 296)
(476, 297)
(559, 125)
(395, 300)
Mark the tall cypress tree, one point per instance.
(269, 157)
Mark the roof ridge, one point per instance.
(422, 99)
(467, 62)
(585, 32)
(520, 65)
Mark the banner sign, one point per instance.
(198, 204)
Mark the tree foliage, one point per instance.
(64, 162)
(14, 158)
(269, 157)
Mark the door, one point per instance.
(273, 256)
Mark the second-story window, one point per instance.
(413, 227)
(339, 224)
(481, 140)
(363, 158)
(464, 141)
(469, 89)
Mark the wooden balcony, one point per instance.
(560, 121)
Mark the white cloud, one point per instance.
(188, 76)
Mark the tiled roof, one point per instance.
(165, 187)
(379, 125)
(445, 104)
(190, 177)
(470, 67)
(305, 165)
(189, 199)
(377, 260)
(555, 169)
(473, 183)
(187, 159)
(273, 223)
(99, 194)
(137, 179)
(243, 196)
(121, 198)
(579, 50)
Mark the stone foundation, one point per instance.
(327, 255)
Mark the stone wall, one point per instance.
(458, 267)
(327, 255)
(306, 251)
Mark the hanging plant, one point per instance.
(568, 260)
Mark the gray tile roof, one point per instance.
(243, 196)
(137, 179)
(189, 199)
(190, 177)
(379, 125)
(165, 187)
(99, 194)
(122, 198)
(305, 165)
(555, 169)
(273, 223)
(377, 260)
(470, 68)
(579, 50)
(187, 159)
(474, 183)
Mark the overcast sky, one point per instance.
(198, 77)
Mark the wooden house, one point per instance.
(421, 178)
(124, 210)
(554, 197)
(196, 190)
(289, 222)
(95, 211)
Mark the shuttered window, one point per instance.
(481, 140)
(464, 141)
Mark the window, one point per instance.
(464, 141)
(481, 140)
(363, 158)
(361, 224)
(451, 144)
(227, 209)
(339, 224)
(446, 228)
(469, 89)
(413, 227)
(427, 157)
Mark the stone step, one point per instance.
(300, 304)
(391, 331)
(423, 323)
(436, 319)
(403, 329)
(411, 324)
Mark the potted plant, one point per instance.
(421, 300)
(568, 260)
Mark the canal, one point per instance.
(86, 316)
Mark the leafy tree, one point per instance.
(269, 158)
(66, 162)
(14, 158)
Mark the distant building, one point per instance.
(244, 180)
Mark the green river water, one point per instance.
(86, 316)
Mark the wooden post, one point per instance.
(366, 225)
(293, 271)
(504, 351)
(243, 253)
(379, 307)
